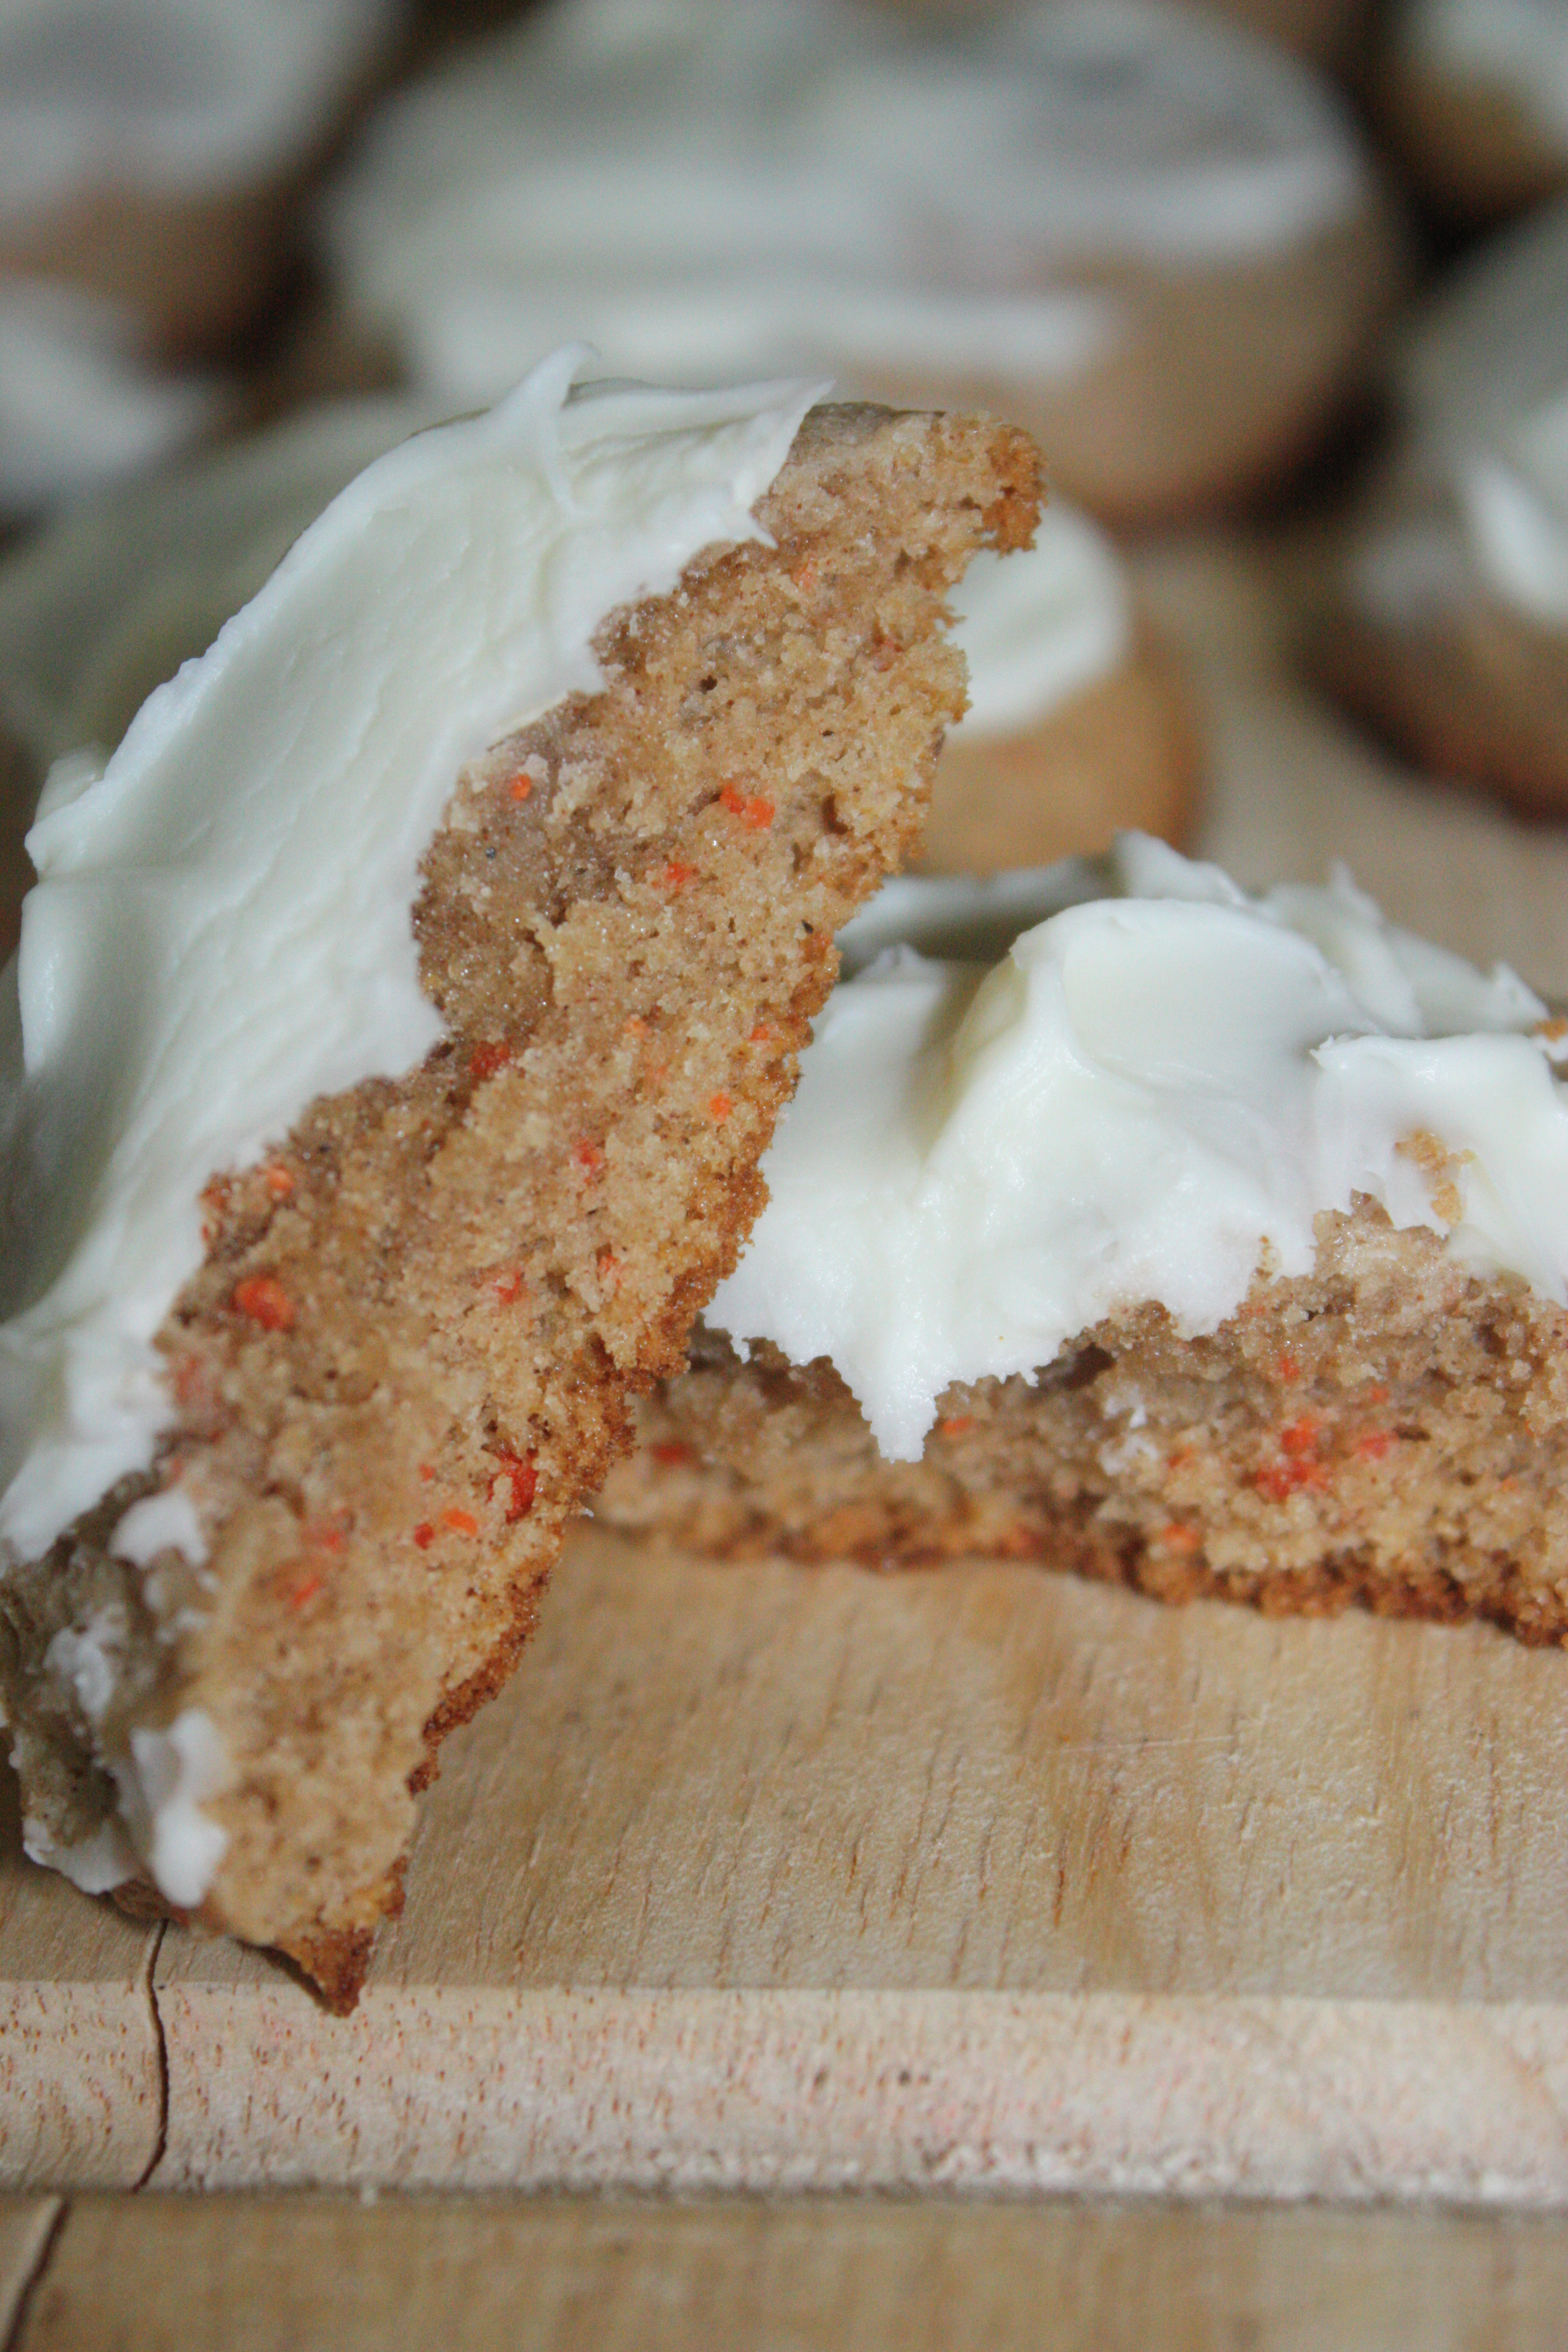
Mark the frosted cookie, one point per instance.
(1079, 724)
(400, 1016)
(150, 156)
(1448, 625)
(1145, 236)
(1475, 95)
(1079, 720)
(1264, 1295)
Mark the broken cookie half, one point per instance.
(400, 1017)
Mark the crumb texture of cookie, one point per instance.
(1387, 1430)
(1212, 1241)
(406, 1355)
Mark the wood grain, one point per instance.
(279, 2274)
(779, 1877)
(81, 2070)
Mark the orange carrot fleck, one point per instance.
(309, 1584)
(609, 1269)
(762, 1035)
(279, 1182)
(1278, 1480)
(956, 1423)
(636, 1027)
(263, 1297)
(1181, 1537)
(487, 1058)
(1374, 1444)
(462, 1523)
(519, 1472)
(1287, 1369)
(509, 1286)
(591, 1156)
(805, 575)
(676, 874)
(672, 1455)
(424, 1535)
(719, 1107)
(1181, 1458)
(520, 787)
(754, 809)
(1376, 1393)
(1300, 1439)
(427, 1472)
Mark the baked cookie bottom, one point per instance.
(407, 1357)
(1121, 753)
(1472, 148)
(1219, 382)
(1463, 688)
(1388, 1432)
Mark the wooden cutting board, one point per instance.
(779, 1877)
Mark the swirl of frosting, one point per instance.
(708, 188)
(1485, 380)
(169, 95)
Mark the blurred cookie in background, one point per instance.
(101, 605)
(1144, 234)
(1474, 95)
(1446, 624)
(153, 153)
(1080, 723)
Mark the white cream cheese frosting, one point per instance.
(221, 929)
(78, 402)
(1518, 48)
(1157, 1087)
(170, 96)
(1484, 383)
(708, 188)
(1039, 626)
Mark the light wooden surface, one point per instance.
(276, 2274)
(80, 2072)
(780, 1878)
(980, 1878)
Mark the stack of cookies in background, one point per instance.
(1278, 289)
